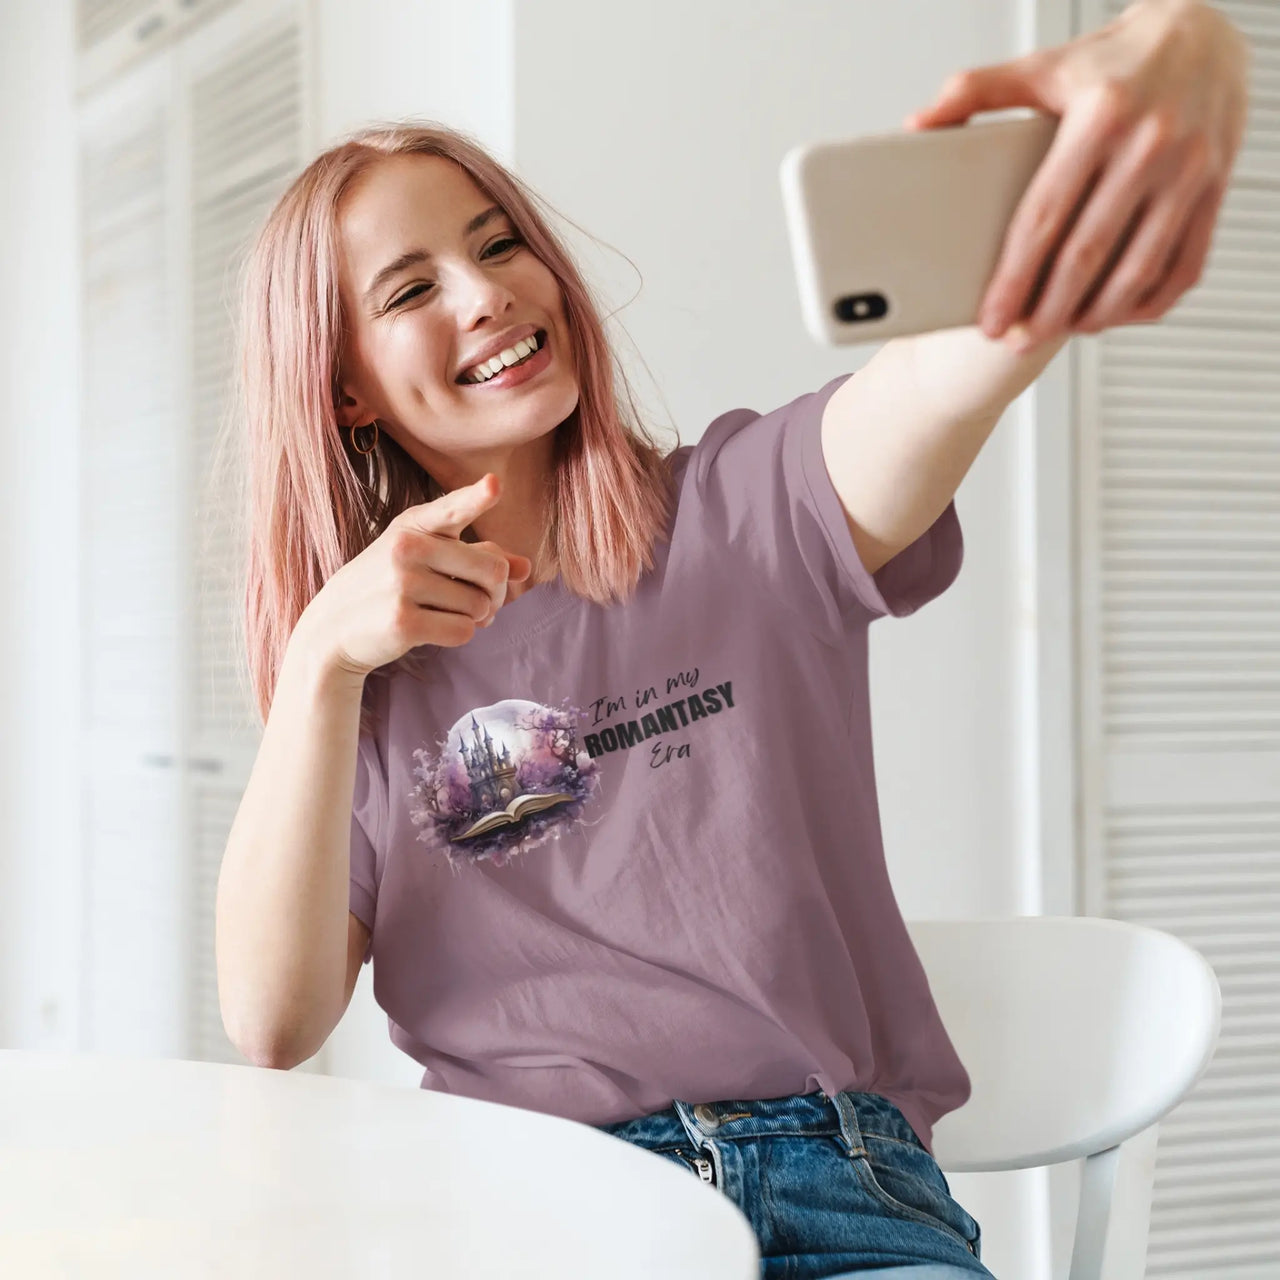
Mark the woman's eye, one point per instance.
(404, 297)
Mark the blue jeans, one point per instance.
(832, 1186)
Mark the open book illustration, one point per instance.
(515, 811)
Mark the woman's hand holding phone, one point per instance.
(1117, 224)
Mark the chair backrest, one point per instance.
(1077, 1033)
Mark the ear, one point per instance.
(351, 411)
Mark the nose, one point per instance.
(479, 296)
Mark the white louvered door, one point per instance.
(98, 21)
(248, 138)
(133, 984)
(1180, 681)
(180, 159)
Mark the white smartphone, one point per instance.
(900, 233)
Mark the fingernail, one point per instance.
(1018, 339)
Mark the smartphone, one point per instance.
(900, 233)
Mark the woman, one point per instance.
(571, 736)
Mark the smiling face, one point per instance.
(412, 330)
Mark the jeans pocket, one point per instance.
(907, 1180)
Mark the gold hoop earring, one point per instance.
(373, 446)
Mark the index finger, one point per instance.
(450, 513)
(1043, 218)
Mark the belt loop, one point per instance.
(849, 1128)
(692, 1128)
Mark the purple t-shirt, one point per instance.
(613, 856)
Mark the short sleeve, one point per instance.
(364, 827)
(764, 489)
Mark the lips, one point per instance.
(527, 370)
(497, 347)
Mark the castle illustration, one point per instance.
(491, 775)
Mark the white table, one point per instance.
(149, 1167)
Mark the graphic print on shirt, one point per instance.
(508, 778)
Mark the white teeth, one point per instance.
(486, 369)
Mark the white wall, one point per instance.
(659, 129)
(390, 58)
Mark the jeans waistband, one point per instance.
(849, 1115)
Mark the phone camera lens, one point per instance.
(857, 307)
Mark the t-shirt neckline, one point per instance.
(541, 603)
(526, 613)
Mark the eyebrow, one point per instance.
(413, 256)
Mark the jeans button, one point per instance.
(705, 1115)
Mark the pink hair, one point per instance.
(312, 502)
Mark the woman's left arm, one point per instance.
(1114, 228)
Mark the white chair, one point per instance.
(1079, 1034)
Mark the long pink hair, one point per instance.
(311, 502)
